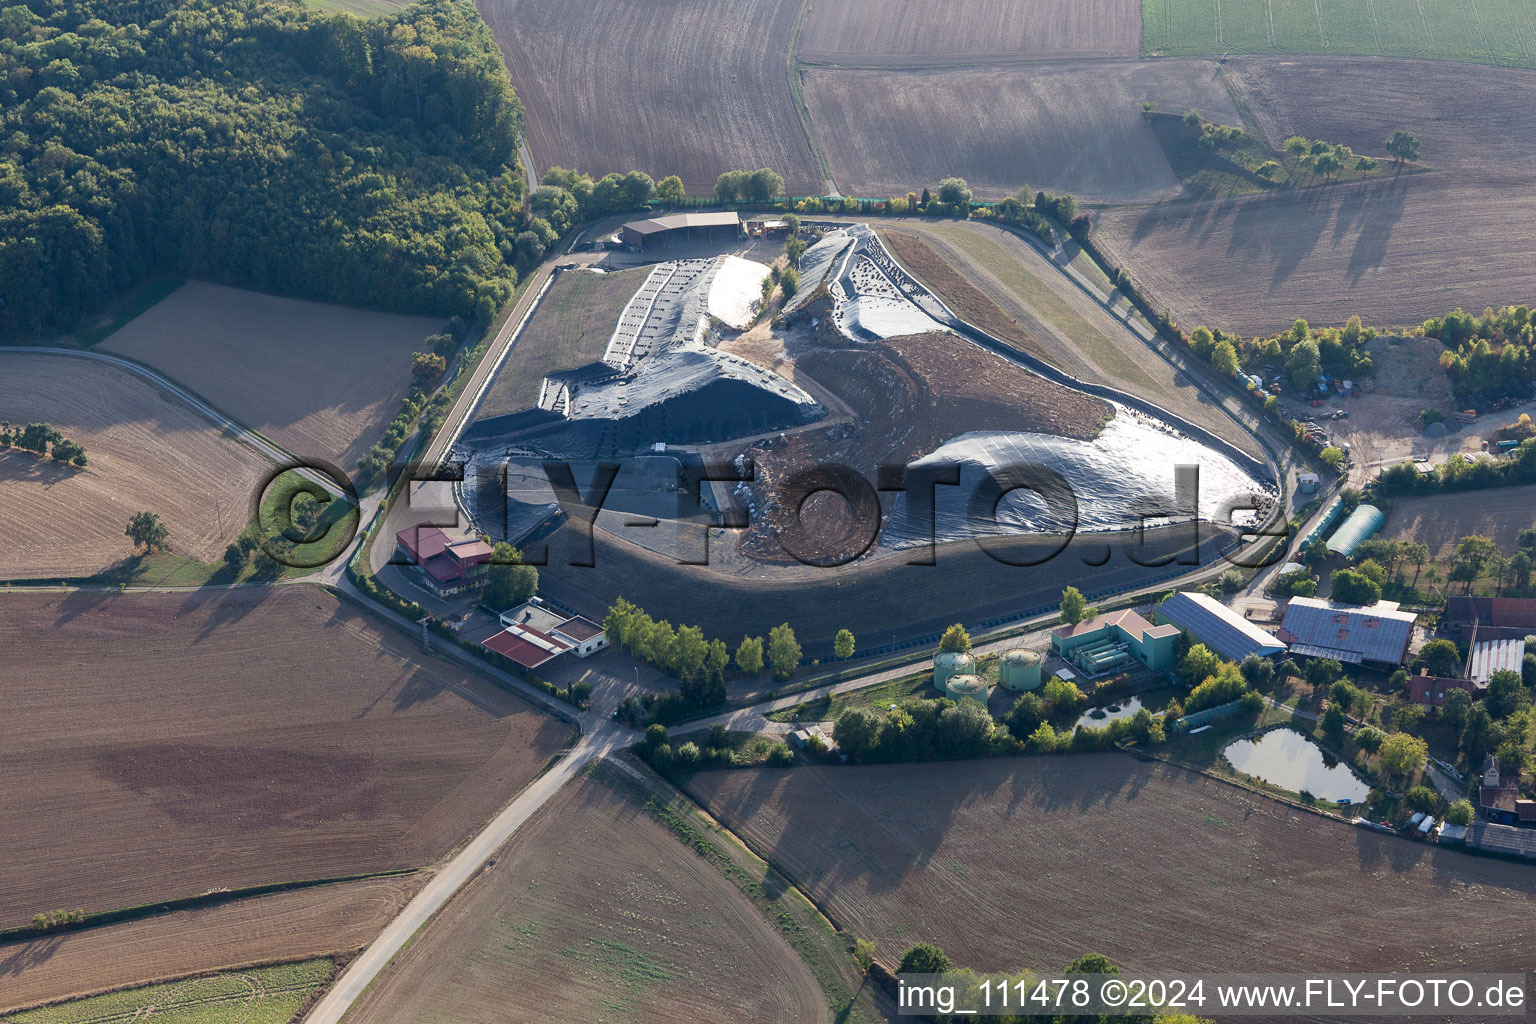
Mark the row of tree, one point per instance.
(44, 439)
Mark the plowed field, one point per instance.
(162, 745)
(1030, 862)
(595, 911)
(933, 31)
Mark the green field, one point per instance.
(262, 995)
(361, 8)
(1476, 31)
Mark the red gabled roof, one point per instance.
(422, 542)
(509, 645)
(470, 552)
(1497, 797)
(1525, 810)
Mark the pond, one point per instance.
(1286, 758)
(1098, 718)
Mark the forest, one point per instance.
(256, 144)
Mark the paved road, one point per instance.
(463, 867)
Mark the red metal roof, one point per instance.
(470, 552)
(443, 568)
(553, 641)
(422, 542)
(509, 645)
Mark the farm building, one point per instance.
(1356, 530)
(1306, 483)
(1492, 838)
(1490, 656)
(535, 634)
(1496, 618)
(1430, 690)
(1498, 797)
(448, 566)
(1329, 517)
(1108, 642)
(681, 228)
(1325, 629)
(1218, 627)
(802, 738)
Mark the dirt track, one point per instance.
(1394, 252)
(688, 87)
(321, 380)
(292, 925)
(161, 745)
(1071, 127)
(595, 904)
(146, 449)
(935, 31)
(1029, 862)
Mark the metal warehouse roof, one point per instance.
(1346, 632)
(1362, 522)
(1218, 627)
(1490, 656)
(673, 221)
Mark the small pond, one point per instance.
(1286, 758)
(1099, 717)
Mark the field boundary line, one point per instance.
(1269, 18)
(1322, 33)
(793, 78)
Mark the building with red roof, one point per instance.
(447, 566)
(1430, 690)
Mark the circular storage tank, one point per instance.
(951, 663)
(1020, 670)
(967, 686)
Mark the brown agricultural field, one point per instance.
(296, 925)
(570, 328)
(323, 381)
(1393, 252)
(689, 87)
(1440, 520)
(932, 31)
(161, 745)
(1029, 862)
(1070, 328)
(1072, 127)
(595, 910)
(146, 450)
(1469, 118)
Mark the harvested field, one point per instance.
(1468, 118)
(1487, 33)
(689, 87)
(320, 921)
(1072, 329)
(570, 329)
(1029, 862)
(1440, 520)
(160, 745)
(931, 31)
(146, 449)
(323, 381)
(1074, 127)
(1394, 252)
(595, 909)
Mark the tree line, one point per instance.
(43, 439)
